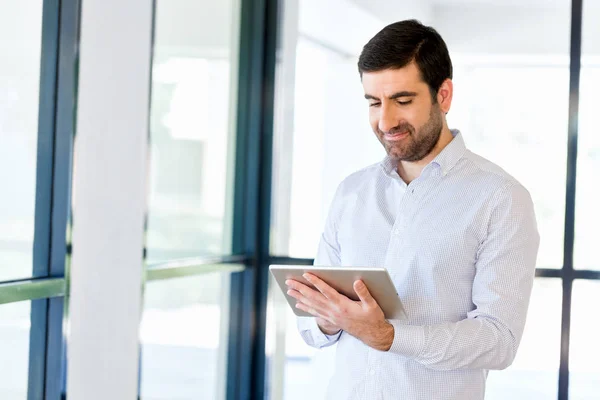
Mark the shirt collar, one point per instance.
(446, 160)
(451, 154)
(388, 165)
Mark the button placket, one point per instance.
(370, 373)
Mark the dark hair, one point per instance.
(398, 44)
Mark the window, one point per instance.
(511, 102)
(35, 153)
(587, 214)
(19, 104)
(15, 331)
(184, 329)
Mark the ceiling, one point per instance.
(389, 10)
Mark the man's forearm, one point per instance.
(472, 343)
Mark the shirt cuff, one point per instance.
(334, 336)
(319, 339)
(409, 340)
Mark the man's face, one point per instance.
(401, 112)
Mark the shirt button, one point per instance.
(396, 231)
(372, 372)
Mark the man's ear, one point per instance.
(444, 95)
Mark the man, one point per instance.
(456, 233)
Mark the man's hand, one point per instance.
(362, 319)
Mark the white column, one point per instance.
(109, 199)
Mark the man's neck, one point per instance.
(411, 170)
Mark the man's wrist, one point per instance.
(385, 338)
(326, 331)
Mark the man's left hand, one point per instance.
(362, 319)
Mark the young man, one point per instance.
(456, 233)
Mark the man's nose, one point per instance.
(387, 120)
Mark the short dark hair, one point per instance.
(400, 43)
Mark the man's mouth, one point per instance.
(396, 135)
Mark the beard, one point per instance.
(418, 144)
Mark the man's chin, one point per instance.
(397, 154)
(404, 157)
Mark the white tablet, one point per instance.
(342, 279)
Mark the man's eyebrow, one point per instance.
(403, 94)
(394, 96)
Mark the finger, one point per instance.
(300, 298)
(363, 293)
(310, 293)
(309, 310)
(300, 287)
(322, 286)
(296, 295)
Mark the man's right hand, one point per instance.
(326, 327)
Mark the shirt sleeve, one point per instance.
(312, 334)
(328, 254)
(505, 268)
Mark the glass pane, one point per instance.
(14, 346)
(20, 46)
(584, 380)
(530, 147)
(503, 60)
(534, 372)
(290, 362)
(321, 127)
(184, 338)
(192, 124)
(587, 216)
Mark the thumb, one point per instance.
(363, 293)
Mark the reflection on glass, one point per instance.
(20, 45)
(15, 324)
(184, 338)
(584, 379)
(587, 212)
(194, 66)
(534, 373)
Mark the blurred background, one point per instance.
(256, 113)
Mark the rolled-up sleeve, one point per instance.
(489, 336)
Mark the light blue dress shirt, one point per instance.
(460, 243)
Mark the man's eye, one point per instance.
(374, 104)
(404, 103)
